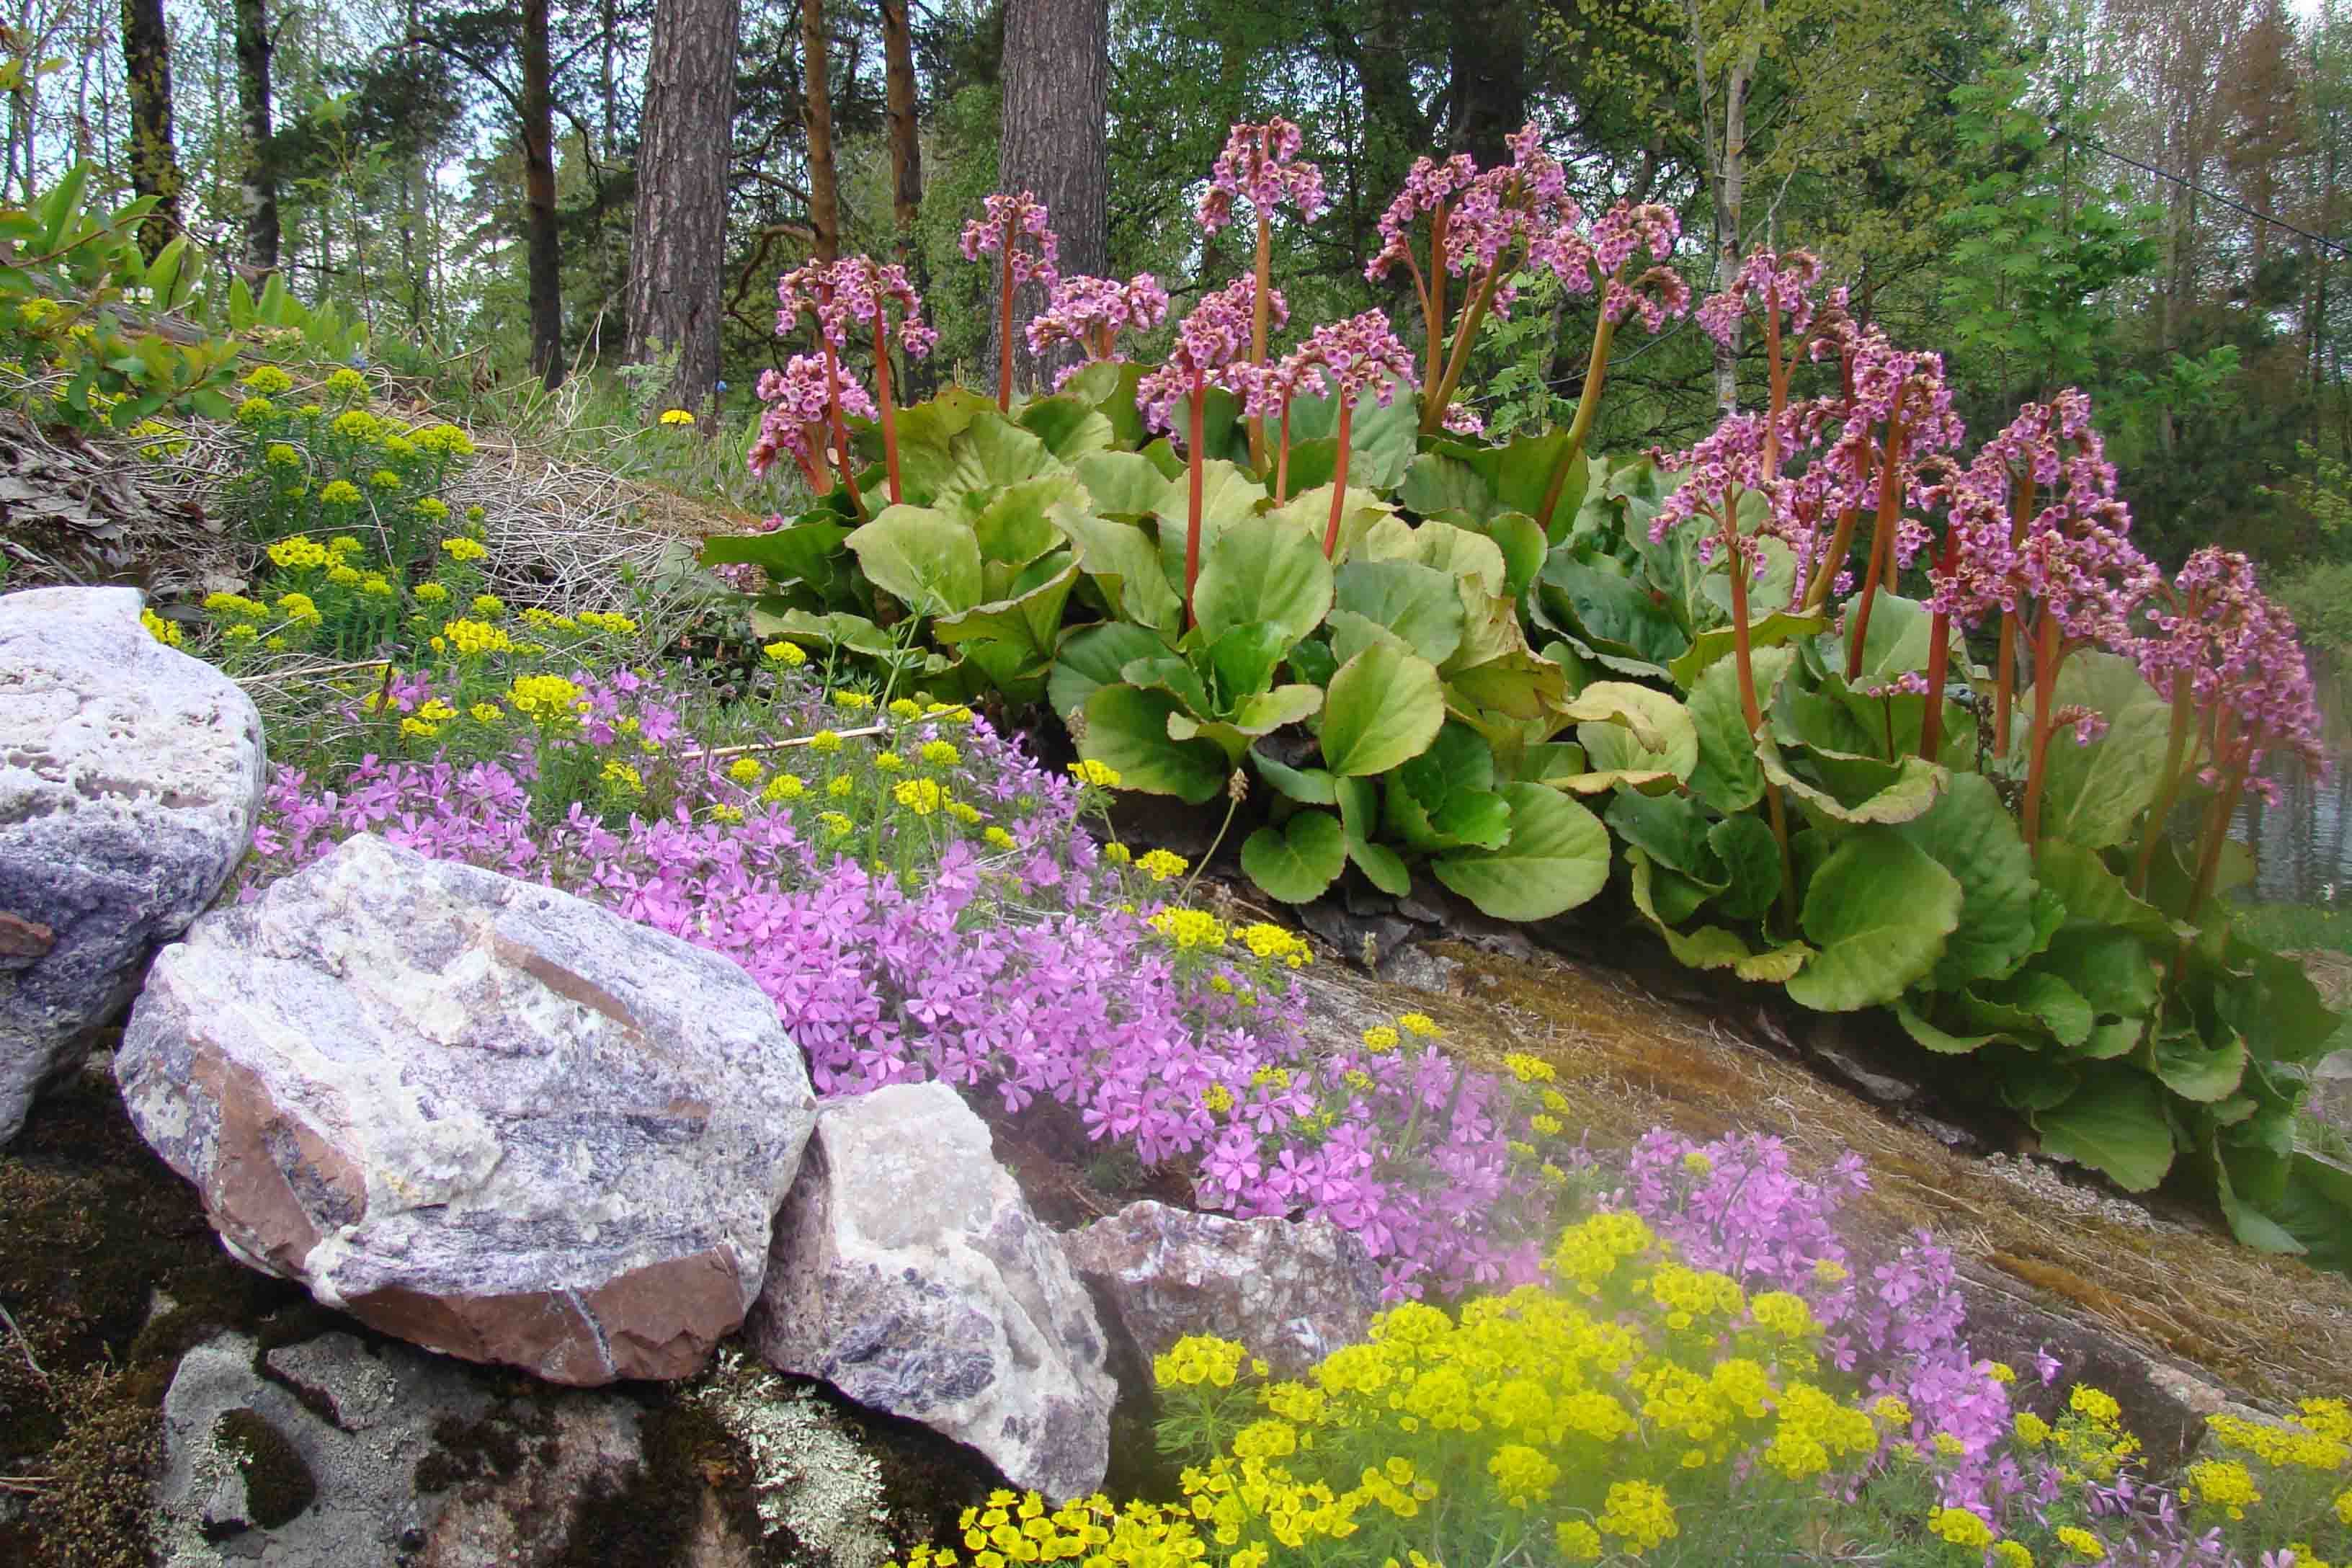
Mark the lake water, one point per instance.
(2301, 843)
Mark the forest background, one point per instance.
(2145, 198)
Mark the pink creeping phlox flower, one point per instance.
(1015, 976)
(1008, 220)
(1092, 311)
(797, 421)
(1212, 349)
(1261, 164)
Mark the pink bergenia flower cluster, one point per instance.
(1014, 975)
(1008, 220)
(1260, 164)
(1345, 359)
(1092, 311)
(799, 413)
(1212, 349)
(1431, 186)
(865, 289)
(2240, 653)
(1766, 281)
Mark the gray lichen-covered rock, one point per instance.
(329, 1454)
(131, 777)
(477, 1114)
(909, 1272)
(1293, 1291)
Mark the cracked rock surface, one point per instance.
(910, 1273)
(477, 1114)
(130, 778)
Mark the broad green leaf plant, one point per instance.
(1299, 591)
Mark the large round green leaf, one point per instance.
(1093, 657)
(1626, 727)
(1384, 708)
(1014, 525)
(1556, 858)
(1269, 575)
(925, 557)
(1297, 860)
(2115, 1123)
(1417, 603)
(1878, 911)
(1124, 562)
(1970, 834)
(2092, 795)
(1127, 726)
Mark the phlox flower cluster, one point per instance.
(1261, 164)
(963, 927)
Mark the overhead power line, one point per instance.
(2093, 145)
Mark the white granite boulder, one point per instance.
(910, 1273)
(130, 778)
(1291, 1290)
(477, 1114)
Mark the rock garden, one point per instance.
(1197, 967)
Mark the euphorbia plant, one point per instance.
(1261, 164)
(1091, 313)
(1011, 221)
(1208, 352)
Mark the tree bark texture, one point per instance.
(258, 191)
(906, 141)
(1056, 139)
(1487, 61)
(678, 247)
(154, 166)
(542, 245)
(824, 202)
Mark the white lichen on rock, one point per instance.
(810, 1475)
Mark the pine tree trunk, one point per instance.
(678, 247)
(1055, 139)
(1487, 61)
(540, 241)
(825, 203)
(906, 144)
(154, 167)
(259, 189)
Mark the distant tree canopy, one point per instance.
(2144, 197)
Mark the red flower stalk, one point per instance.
(1000, 232)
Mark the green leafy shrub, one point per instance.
(1410, 652)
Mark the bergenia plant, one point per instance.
(1211, 349)
(865, 291)
(1091, 313)
(1347, 359)
(1605, 260)
(1261, 165)
(1738, 458)
(1779, 289)
(1899, 414)
(2228, 660)
(804, 401)
(815, 289)
(1015, 230)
